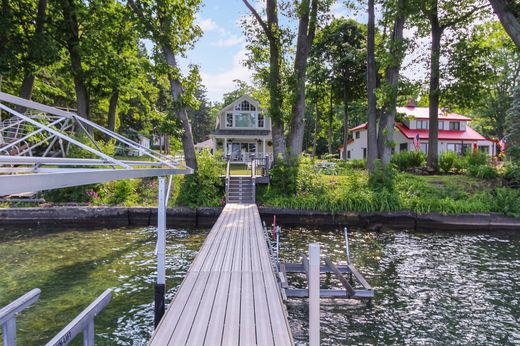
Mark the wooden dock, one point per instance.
(230, 295)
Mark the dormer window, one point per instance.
(260, 120)
(422, 124)
(455, 125)
(245, 106)
(229, 119)
(441, 125)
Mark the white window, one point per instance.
(245, 106)
(229, 119)
(422, 124)
(245, 120)
(358, 134)
(454, 125)
(424, 147)
(260, 120)
(252, 148)
(441, 125)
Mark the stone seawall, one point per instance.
(205, 217)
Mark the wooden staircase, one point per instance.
(240, 189)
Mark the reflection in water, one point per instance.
(435, 288)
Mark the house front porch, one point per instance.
(240, 149)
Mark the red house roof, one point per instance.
(424, 113)
(468, 135)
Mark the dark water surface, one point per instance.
(431, 289)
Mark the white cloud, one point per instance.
(229, 41)
(221, 82)
(208, 24)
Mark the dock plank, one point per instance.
(230, 295)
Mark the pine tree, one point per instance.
(513, 125)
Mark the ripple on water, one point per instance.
(431, 288)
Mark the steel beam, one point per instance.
(14, 184)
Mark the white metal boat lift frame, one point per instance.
(50, 128)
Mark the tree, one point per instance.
(272, 32)
(513, 126)
(71, 31)
(171, 26)
(508, 11)
(308, 12)
(371, 89)
(201, 117)
(339, 48)
(453, 14)
(395, 57)
(480, 76)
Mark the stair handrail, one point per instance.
(228, 169)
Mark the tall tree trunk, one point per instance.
(345, 123)
(433, 133)
(331, 113)
(271, 30)
(181, 114)
(371, 89)
(509, 18)
(306, 32)
(73, 46)
(275, 89)
(316, 128)
(28, 80)
(387, 121)
(112, 110)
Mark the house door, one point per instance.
(235, 152)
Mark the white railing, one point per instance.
(9, 312)
(84, 322)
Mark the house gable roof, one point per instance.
(231, 106)
(424, 113)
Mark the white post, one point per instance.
(225, 146)
(88, 334)
(263, 147)
(161, 249)
(314, 294)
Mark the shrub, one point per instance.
(283, 177)
(205, 186)
(76, 194)
(120, 192)
(482, 172)
(357, 164)
(507, 201)
(382, 178)
(449, 160)
(476, 159)
(512, 175)
(408, 159)
(308, 179)
(330, 157)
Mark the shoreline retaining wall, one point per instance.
(205, 217)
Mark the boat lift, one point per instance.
(47, 148)
(355, 286)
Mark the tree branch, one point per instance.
(264, 26)
(463, 17)
(139, 13)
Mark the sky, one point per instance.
(221, 49)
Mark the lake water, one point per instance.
(431, 288)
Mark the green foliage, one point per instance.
(408, 159)
(283, 177)
(476, 159)
(482, 171)
(205, 187)
(383, 178)
(75, 194)
(512, 175)
(449, 160)
(357, 164)
(506, 201)
(330, 156)
(513, 126)
(120, 192)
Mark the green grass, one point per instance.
(446, 194)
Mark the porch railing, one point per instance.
(228, 173)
